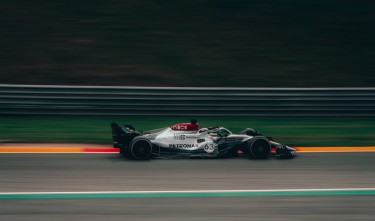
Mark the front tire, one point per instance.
(260, 148)
(250, 132)
(140, 148)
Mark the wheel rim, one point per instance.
(141, 150)
(260, 149)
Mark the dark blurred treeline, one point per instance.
(243, 43)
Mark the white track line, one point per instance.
(192, 191)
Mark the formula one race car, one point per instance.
(186, 140)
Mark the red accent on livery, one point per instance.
(185, 126)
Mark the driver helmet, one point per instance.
(202, 130)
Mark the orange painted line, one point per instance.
(101, 150)
(335, 149)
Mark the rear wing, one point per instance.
(122, 136)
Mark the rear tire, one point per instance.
(260, 148)
(140, 148)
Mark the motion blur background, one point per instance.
(207, 43)
(194, 43)
(236, 43)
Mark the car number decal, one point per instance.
(209, 147)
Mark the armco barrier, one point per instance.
(185, 101)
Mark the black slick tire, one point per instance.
(259, 148)
(140, 148)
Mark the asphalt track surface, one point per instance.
(109, 172)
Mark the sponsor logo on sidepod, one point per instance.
(182, 146)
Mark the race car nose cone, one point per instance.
(286, 152)
(291, 150)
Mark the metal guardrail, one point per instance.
(185, 101)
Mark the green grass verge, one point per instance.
(306, 131)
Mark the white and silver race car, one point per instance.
(186, 140)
